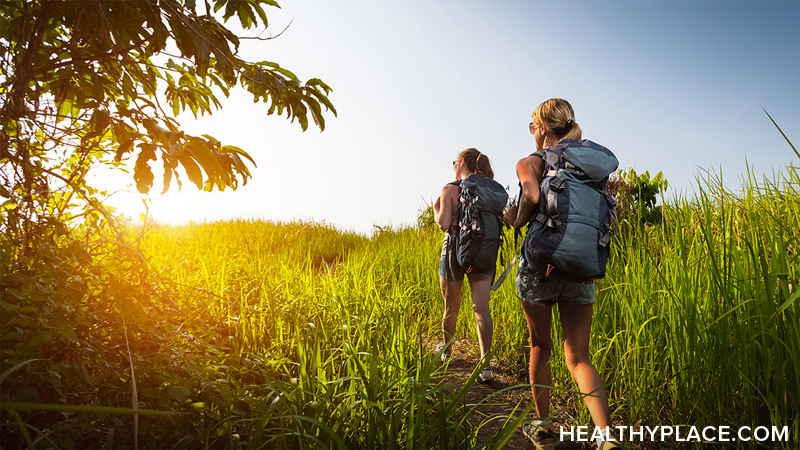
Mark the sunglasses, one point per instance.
(532, 128)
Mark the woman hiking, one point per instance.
(471, 168)
(554, 121)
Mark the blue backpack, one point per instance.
(481, 206)
(570, 236)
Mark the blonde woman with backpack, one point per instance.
(469, 211)
(544, 280)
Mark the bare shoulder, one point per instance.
(452, 187)
(451, 190)
(532, 164)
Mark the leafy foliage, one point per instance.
(242, 331)
(91, 84)
(99, 83)
(636, 196)
(426, 219)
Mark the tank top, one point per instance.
(452, 230)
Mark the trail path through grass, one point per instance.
(492, 414)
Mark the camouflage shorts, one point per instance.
(536, 289)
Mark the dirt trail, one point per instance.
(491, 415)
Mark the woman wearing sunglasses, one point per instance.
(468, 163)
(554, 121)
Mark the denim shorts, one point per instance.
(450, 269)
(536, 289)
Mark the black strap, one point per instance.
(517, 232)
(605, 238)
(552, 158)
(608, 237)
(556, 186)
(552, 208)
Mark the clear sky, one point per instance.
(672, 86)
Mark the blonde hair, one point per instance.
(559, 117)
(477, 162)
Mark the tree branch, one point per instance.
(268, 38)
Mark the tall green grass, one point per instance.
(335, 327)
(297, 335)
(706, 306)
(697, 320)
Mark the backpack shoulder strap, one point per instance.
(552, 158)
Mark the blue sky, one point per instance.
(672, 86)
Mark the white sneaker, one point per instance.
(445, 357)
(541, 433)
(485, 376)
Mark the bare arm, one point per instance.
(529, 172)
(443, 207)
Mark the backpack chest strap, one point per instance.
(549, 221)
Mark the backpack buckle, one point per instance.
(605, 238)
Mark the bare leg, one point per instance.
(538, 318)
(480, 285)
(451, 293)
(576, 320)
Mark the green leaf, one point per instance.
(167, 180)
(124, 148)
(192, 170)
(184, 39)
(262, 14)
(39, 338)
(65, 109)
(15, 368)
(245, 15)
(788, 302)
(27, 394)
(782, 134)
(67, 443)
(142, 174)
(179, 393)
(202, 48)
(237, 150)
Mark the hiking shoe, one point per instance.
(485, 376)
(539, 433)
(445, 357)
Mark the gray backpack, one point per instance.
(569, 237)
(481, 206)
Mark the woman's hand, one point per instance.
(510, 216)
